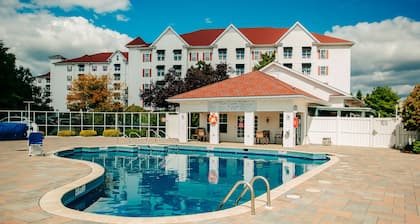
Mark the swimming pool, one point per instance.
(146, 181)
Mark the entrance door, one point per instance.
(299, 129)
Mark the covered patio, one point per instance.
(242, 108)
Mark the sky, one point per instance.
(386, 33)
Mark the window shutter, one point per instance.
(211, 56)
(203, 57)
(326, 70)
(252, 55)
(319, 70)
(326, 53)
(150, 72)
(190, 56)
(143, 57)
(143, 72)
(319, 54)
(197, 57)
(150, 57)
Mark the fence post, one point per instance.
(371, 131)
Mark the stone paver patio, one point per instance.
(366, 186)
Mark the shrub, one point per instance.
(140, 133)
(87, 133)
(416, 146)
(66, 133)
(111, 133)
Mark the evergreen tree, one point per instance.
(266, 59)
(359, 95)
(16, 84)
(383, 100)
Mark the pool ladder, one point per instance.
(248, 186)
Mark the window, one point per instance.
(105, 68)
(240, 53)
(117, 67)
(147, 72)
(223, 121)
(240, 127)
(117, 77)
(81, 68)
(193, 56)
(207, 56)
(287, 52)
(48, 80)
(240, 69)
(160, 70)
(289, 65)
(117, 86)
(306, 52)
(306, 68)
(69, 78)
(69, 68)
(323, 54)
(146, 86)
(323, 70)
(256, 55)
(177, 55)
(147, 57)
(222, 54)
(281, 120)
(178, 70)
(160, 55)
(68, 87)
(118, 57)
(94, 68)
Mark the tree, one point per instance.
(411, 109)
(266, 59)
(16, 84)
(359, 95)
(383, 100)
(90, 92)
(196, 77)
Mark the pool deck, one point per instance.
(366, 185)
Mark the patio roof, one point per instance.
(253, 84)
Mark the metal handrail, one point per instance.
(237, 184)
(251, 182)
(135, 133)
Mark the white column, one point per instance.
(289, 133)
(214, 131)
(183, 127)
(249, 128)
(248, 169)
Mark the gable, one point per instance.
(231, 37)
(168, 39)
(305, 83)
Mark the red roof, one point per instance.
(100, 57)
(263, 35)
(255, 83)
(328, 39)
(46, 75)
(137, 41)
(202, 37)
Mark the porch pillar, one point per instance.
(289, 132)
(183, 127)
(214, 131)
(249, 128)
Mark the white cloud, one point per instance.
(121, 17)
(99, 6)
(208, 20)
(385, 53)
(33, 37)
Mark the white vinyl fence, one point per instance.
(354, 131)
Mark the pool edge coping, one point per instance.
(51, 201)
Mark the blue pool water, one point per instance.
(167, 181)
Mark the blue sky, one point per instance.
(385, 32)
(149, 18)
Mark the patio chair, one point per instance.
(260, 138)
(35, 144)
(202, 136)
